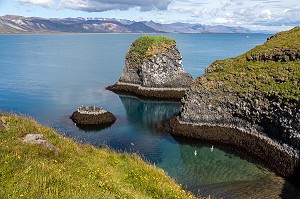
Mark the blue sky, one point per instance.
(273, 15)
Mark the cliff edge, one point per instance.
(250, 102)
(153, 69)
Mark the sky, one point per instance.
(271, 15)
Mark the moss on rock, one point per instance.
(147, 46)
(261, 70)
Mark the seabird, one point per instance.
(212, 148)
(195, 153)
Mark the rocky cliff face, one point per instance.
(153, 65)
(261, 95)
(258, 99)
(159, 67)
(252, 115)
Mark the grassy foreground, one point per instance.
(73, 170)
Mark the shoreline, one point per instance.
(168, 94)
(280, 158)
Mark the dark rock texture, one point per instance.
(229, 109)
(281, 55)
(241, 103)
(148, 93)
(92, 116)
(156, 72)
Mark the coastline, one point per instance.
(280, 158)
(169, 94)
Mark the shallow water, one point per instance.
(49, 76)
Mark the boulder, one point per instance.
(92, 116)
(38, 139)
(153, 69)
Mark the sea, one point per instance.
(47, 76)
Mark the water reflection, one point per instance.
(224, 174)
(146, 113)
(216, 171)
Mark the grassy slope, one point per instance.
(282, 40)
(75, 171)
(276, 80)
(146, 46)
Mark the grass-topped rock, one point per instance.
(73, 170)
(281, 47)
(251, 102)
(153, 69)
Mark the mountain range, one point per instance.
(19, 24)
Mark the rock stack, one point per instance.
(153, 69)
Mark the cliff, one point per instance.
(153, 69)
(250, 102)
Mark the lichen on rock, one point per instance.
(153, 62)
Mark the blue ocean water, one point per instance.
(48, 76)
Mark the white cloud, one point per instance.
(247, 13)
(105, 5)
(44, 3)
(266, 14)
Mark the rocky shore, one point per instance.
(153, 69)
(92, 116)
(250, 104)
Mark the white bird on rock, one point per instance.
(212, 148)
(195, 153)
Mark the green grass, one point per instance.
(75, 170)
(147, 46)
(284, 40)
(277, 81)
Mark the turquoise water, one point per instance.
(48, 76)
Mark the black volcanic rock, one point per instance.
(92, 116)
(251, 104)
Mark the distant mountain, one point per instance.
(195, 28)
(19, 24)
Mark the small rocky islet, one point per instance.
(251, 103)
(153, 69)
(92, 116)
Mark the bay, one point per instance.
(48, 76)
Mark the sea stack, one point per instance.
(92, 116)
(153, 69)
(250, 103)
